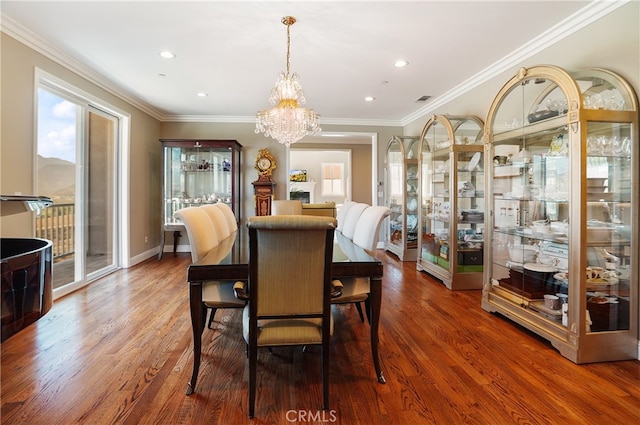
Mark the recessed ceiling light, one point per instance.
(202, 94)
(369, 99)
(167, 54)
(400, 63)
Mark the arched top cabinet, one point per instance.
(561, 255)
(401, 169)
(451, 221)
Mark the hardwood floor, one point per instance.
(120, 352)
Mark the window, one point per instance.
(332, 179)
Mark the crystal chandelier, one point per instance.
(287, 122)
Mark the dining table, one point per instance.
(229, 261)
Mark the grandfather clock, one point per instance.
(263, 187)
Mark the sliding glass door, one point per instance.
(77, 167)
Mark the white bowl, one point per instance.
(522, 253)
(559, 227)
(599, 234)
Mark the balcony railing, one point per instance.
(57, 224)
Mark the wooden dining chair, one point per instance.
(366, 236)
(202, 239)
(286, 207)
(289, 289)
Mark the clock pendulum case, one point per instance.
(263, 187)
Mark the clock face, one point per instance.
(264, 163)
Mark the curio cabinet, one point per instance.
(451, 220)
(561, 243)
(196, 172)
(402, 196)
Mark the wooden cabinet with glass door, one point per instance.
(562, 257)
(196, 172)
(402, 196)
(451, 239)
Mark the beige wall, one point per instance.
(17, 146)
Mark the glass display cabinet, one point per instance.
(561, 255)
(451, 222)
(402, 196)
(197, 172)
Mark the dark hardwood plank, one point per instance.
(119, 352)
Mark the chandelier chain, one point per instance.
(288, 45)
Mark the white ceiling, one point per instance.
(234, 50)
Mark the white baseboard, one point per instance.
(142, 257)
(179, 248)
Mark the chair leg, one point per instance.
(325, 376)
(213, 313)
(253, 360)
(204, 317)
(367, 307)
(359, 307)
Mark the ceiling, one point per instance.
(234, 50)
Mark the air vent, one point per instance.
(423, 98)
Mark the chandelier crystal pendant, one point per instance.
(287, 122)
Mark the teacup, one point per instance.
(541, 226)
(594, 273)
(500, 159)
(552, 301)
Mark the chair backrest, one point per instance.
(327, 209)
(367, 232)
(290, 266)
(229, 215)
(342, 213)
(286, 207)
(353, 215)
(219, 220)
(200, 230)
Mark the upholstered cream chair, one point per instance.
(289, 288)
(286, 207)
(366, 236)
(367, 232)
(342, 214)
(232, 222)
(223, 232)
(219, 220)
(203, 238)
(350, 221)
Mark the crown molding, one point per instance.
(252, 120)
(31, 40)
(585, 16)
